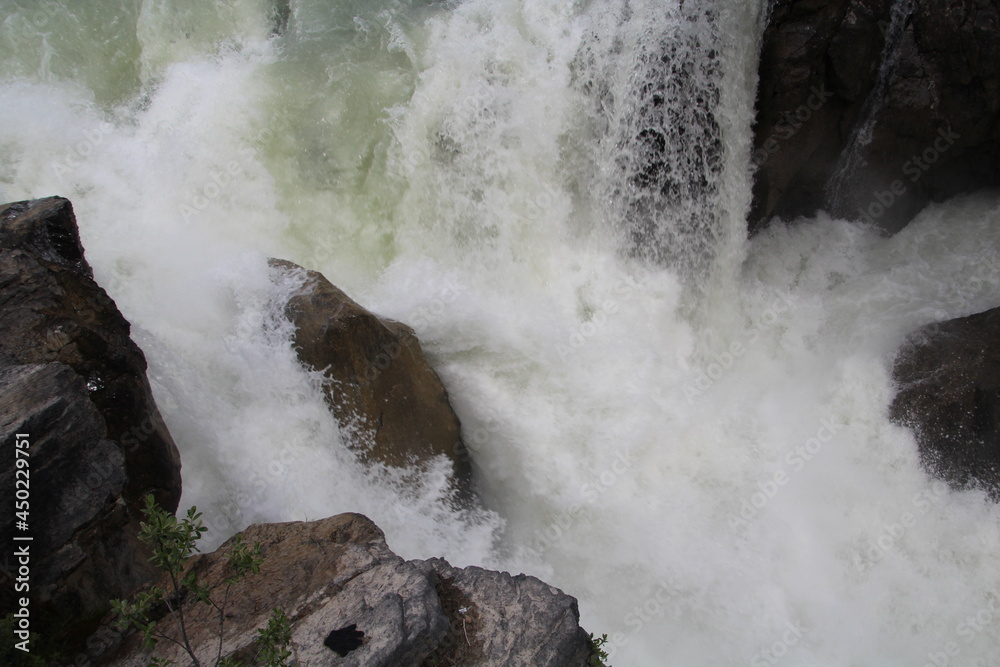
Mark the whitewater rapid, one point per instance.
(693, 442)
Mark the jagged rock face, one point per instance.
(949, 393)
(873, 108)
(72, 380)
(379, 384)
(499, 619)
(336, 573)
(817, 66)
(84, 549)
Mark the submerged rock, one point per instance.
(74, 383)
(379, 384)
(949, 393)
(873, 108)
(352, 601)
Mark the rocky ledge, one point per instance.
(352, 601)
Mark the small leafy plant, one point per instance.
(173, 542)
(598, 655)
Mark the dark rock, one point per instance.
(949, 393)
(379, 384)
(52, 310)
(873, 108)
(337, 578)
(818, 64)
(74, 382)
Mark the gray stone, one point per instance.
(500, 619)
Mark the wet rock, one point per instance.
(74, 383)
(351, 601)
(872, 108)
(949, 393)
(379, 384)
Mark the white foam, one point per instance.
(700, 471)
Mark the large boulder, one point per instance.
(332, 574)
(379, 385)
(949, 393)
(871, 108)
(73, 384)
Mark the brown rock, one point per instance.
(336, 573)
(949, 393)
(379, 384)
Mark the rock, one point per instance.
(72, 380)
(872, 115)
(949, 393)
(379, 384)
(806, 106)
(336, 579)
(499, 619)
(52, 310)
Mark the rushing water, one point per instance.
(683, 428)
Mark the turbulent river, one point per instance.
(684, 428)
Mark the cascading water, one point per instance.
(684, 429)
(843, 185)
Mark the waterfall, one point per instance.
(685, 429)
(847, 174)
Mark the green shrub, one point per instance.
(173, 542)
(598, 655)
